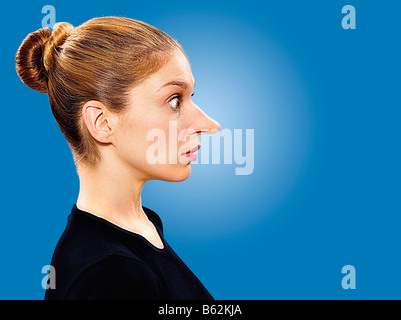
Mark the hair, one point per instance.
(100, 60)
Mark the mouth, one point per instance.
(190, 154)
(193, 149)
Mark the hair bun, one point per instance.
(60, 32)
(29, 60)
(36, 54)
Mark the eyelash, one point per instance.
(179, 97)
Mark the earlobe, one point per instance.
(95, 119)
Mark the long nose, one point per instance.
(202, 123)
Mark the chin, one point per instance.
(177, 174)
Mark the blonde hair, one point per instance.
(100, 60)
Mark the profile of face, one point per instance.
(158, 135)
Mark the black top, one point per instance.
(95, 259)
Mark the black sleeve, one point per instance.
(117, 277)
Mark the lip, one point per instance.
(191, 153)
(194, 149)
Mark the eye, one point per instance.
(175, 103)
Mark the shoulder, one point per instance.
(85, 242)
(117, 277)
(154, 217)
(91, 249)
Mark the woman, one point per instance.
(112, 83)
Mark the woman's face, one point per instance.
(162, 124)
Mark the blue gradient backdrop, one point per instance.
(325, 192)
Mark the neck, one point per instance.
(114, 195)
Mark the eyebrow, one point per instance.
(181, 84)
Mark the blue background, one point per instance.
(325, 191)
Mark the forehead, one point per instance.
(177, 68)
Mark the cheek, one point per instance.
(178, 142)
(153, 145)
(133, 141)
(164, 158)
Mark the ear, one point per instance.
(99, 121)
